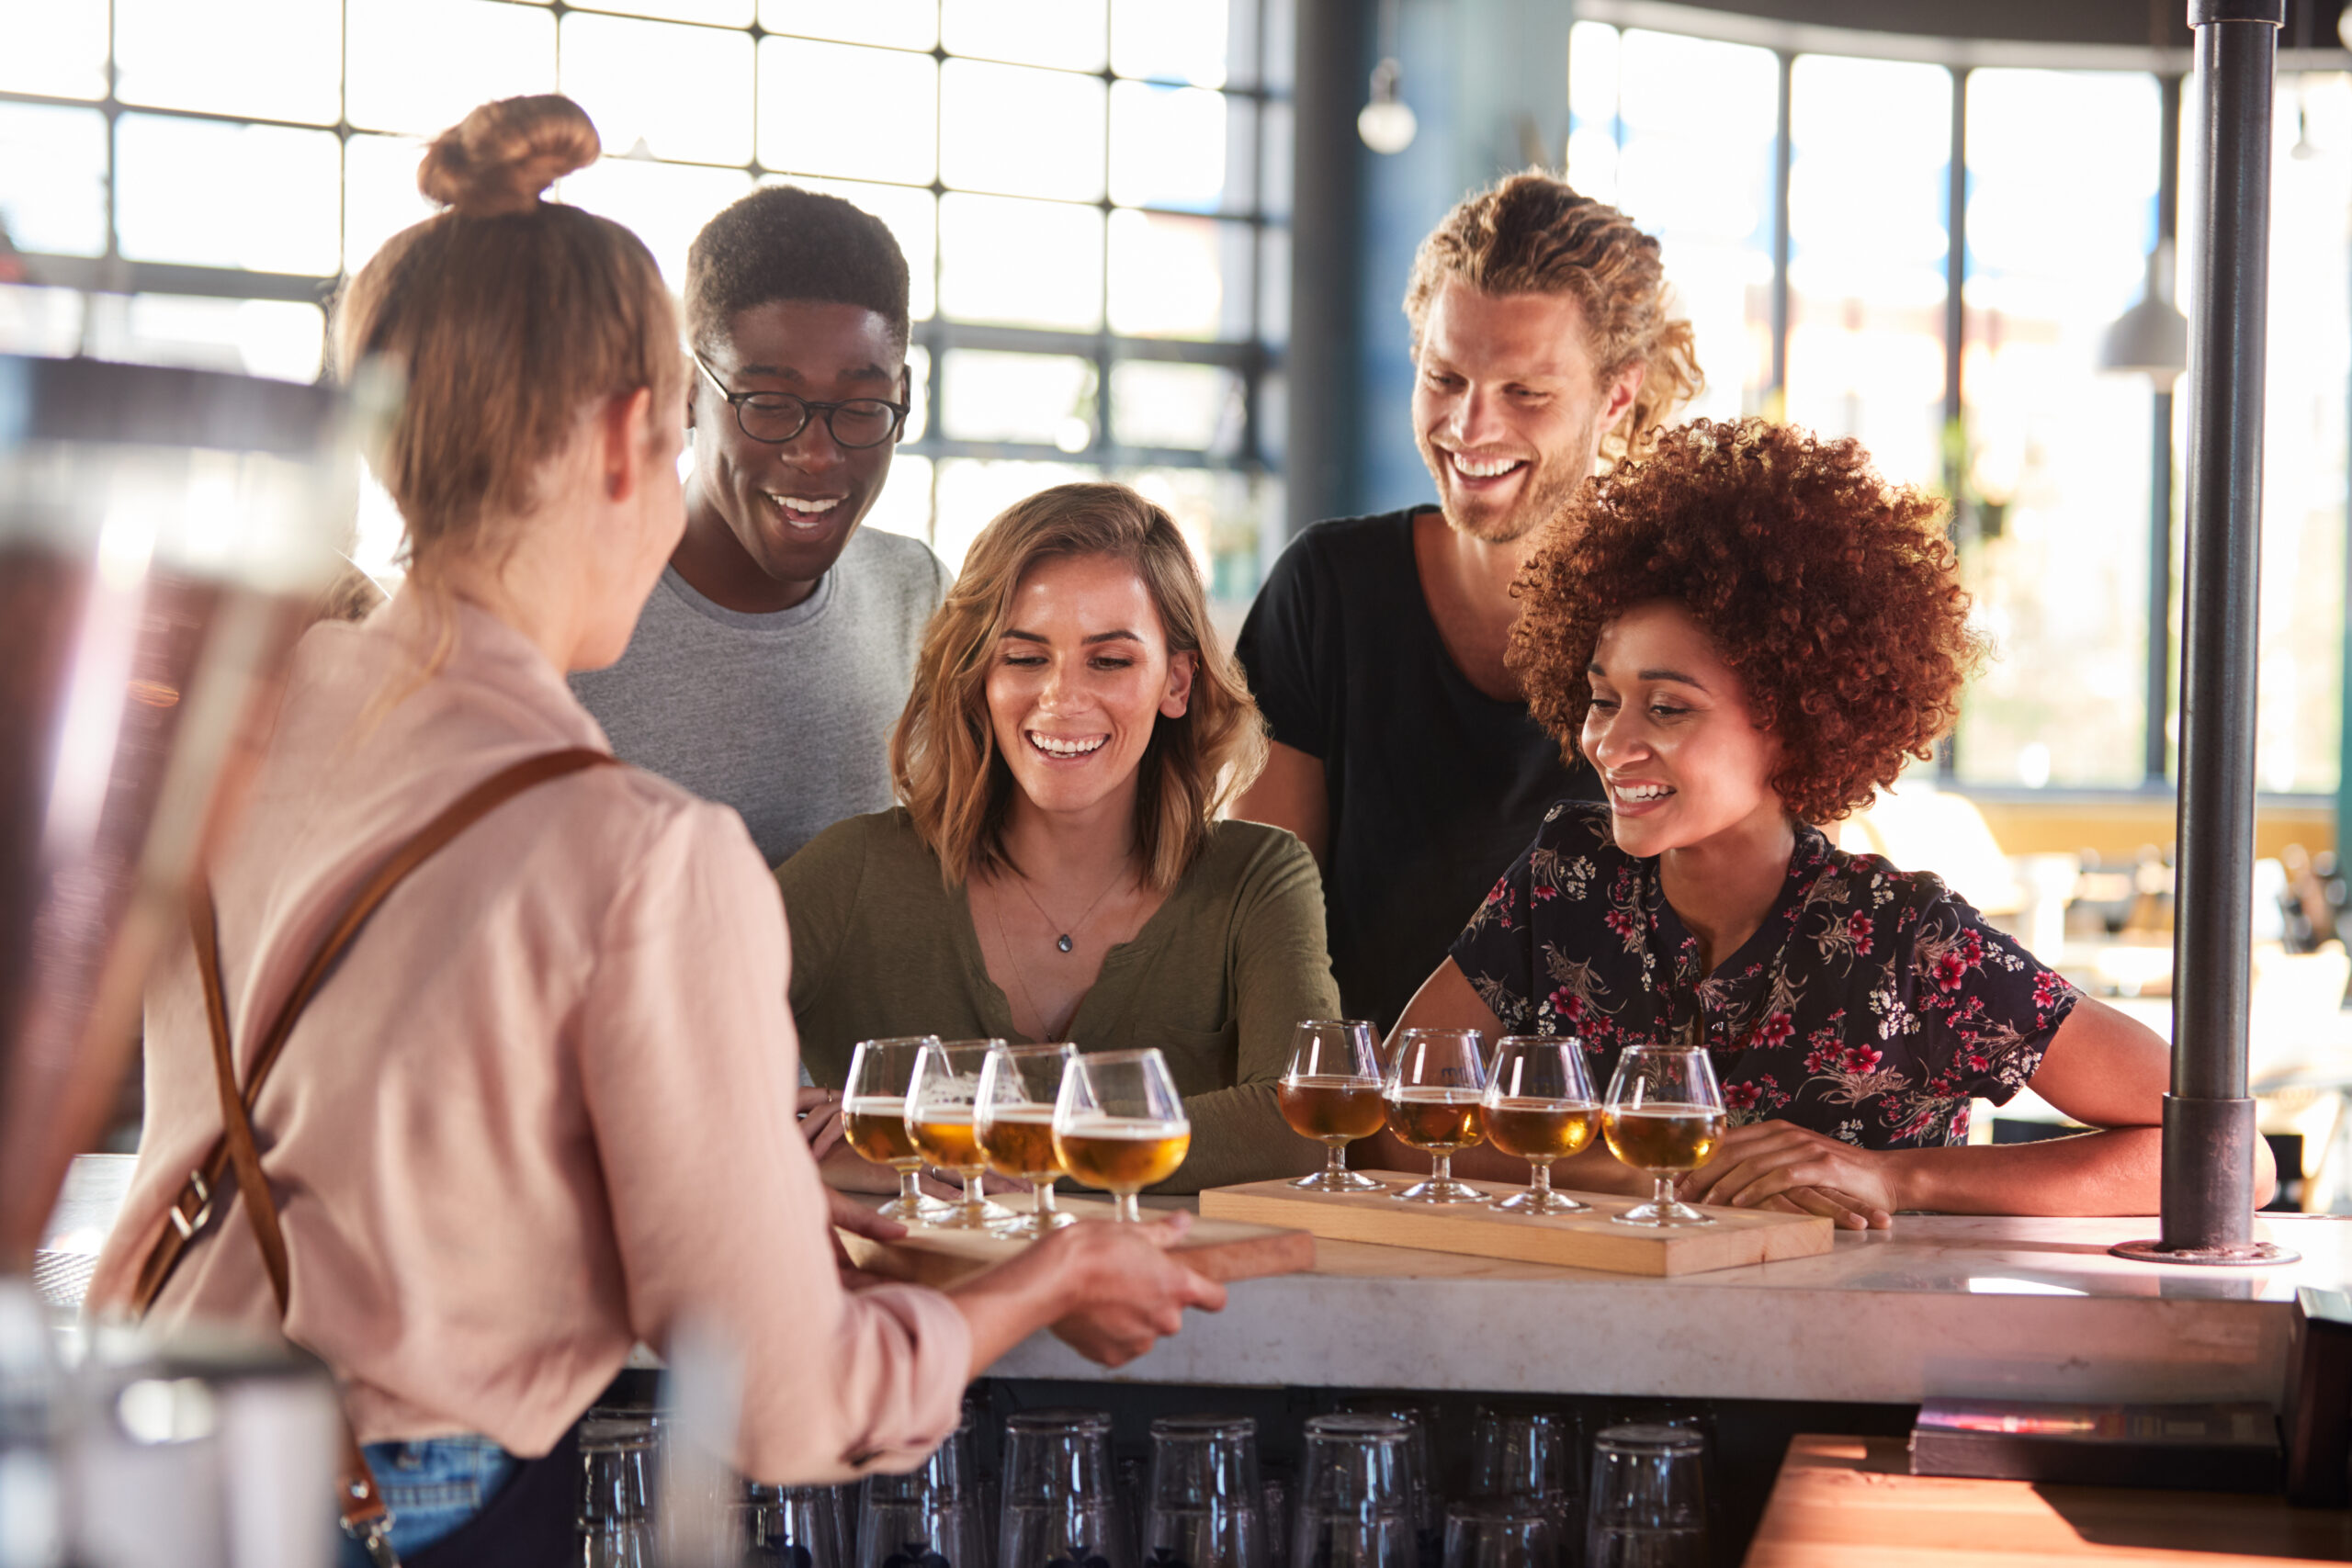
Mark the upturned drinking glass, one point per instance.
(1648, 1504)
(1418, 1460)
(793, 1527)
(874, 1121)
(1540, 1108)
(1435, 1102)
(1532, 1457)
(1664, 1116)
(925, 1518)
(1013, 1114)
(1500, 1534)
(619, 1458)
(1203, 1504)
(1332, 1093)
(1120, 1125)
(942, 1108)
(1060, 1499)
(1353, 1508)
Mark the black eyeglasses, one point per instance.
(774, 418)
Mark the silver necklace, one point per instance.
(1063, 939)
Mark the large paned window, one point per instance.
(1092, 194)
(2047, 456)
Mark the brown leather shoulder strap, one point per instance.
(193, 1207)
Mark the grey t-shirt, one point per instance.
(786, 717)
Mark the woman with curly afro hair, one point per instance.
(1747, 633)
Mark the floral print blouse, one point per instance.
(1872, 1005)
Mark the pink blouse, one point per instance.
(544, 1108)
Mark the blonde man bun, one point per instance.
(502, 156)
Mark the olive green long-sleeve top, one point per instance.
(1216, 979)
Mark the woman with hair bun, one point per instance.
(1748, 633)
(542, 1106)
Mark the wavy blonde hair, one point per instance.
(1531, 233)
(943, 758)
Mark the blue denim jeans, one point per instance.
(432, 1486)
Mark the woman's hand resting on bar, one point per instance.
(1779, 1165)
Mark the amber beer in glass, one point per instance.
(941, 1105)
(1664, 1115)
(1014, 1114)
(874, 1121)
(1332, 1092)
(1434, 1101)
(1540, 1108)
(1119, 1124)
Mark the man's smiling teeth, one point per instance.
(1484, 469)
(1056, 746)
(1639, 792)
(795, 506)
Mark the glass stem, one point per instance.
(1336, 1164)
(910, 1187)
(973, 1197)
(1045, 1197)
(1124, 1207)
(1665, 1196)
(1539, 1178)
(1442, 1168)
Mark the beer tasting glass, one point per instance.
(874, 1121)
(1540, 1108)
(1648, 1500)
(940, 1117)
(1060, 1507)
(1355, 1509)
(927, 1517)
(1332, 1093)
(1015, 1118)
(1507, 1534)
(1119, 1124)
(1665, 1116)
(1204, 1498)
(1433, 1101)
(793, 1527)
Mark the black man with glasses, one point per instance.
(777, 651)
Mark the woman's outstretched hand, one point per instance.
(1107, 1289)
(1779, 1165)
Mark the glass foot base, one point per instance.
(916, 1210)
(1022, 1227)
(1534, 1202)
(1443, 1189)
(1338, 1182)
(982, 1217)
(1656, 1215)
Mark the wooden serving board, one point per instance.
(1225, 1250)
(1575, 1241)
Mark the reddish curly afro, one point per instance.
(1833, 594)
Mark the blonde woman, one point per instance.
(529, 1117)
(1056, 869)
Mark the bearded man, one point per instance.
(1403, 754)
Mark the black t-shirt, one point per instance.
(1434, 787)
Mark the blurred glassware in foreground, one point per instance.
(926, 1517)
(1354, 1507)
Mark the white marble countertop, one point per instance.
(1943, 1305)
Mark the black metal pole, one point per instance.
(2208, 1119)
(2158, 752)
(1325, 409)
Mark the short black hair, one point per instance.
(783, 242)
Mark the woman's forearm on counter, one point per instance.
(2114, 1172)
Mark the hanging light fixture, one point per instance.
(2151, 339)
(1386, 121)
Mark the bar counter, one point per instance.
(1941, 1305)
